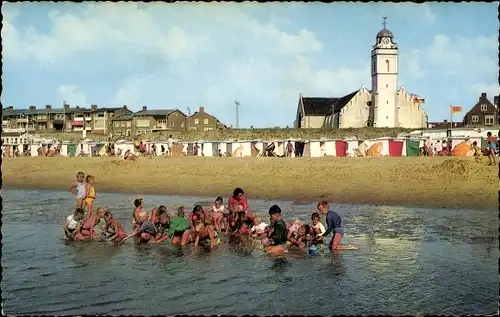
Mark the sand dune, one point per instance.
(418, 181)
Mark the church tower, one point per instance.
(384, 80)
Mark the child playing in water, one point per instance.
(294, 226)
(477, 152)
(197, 215)
(179, 228)
(161, 224)
(86, 230)
(146, 232)
(233, 223)
(318, 229)
(259, 229)
(115, 228)
(218, 213)
(138, 208)
(299, 237)
(72, 222)
(334, 224)
(278, 235)
(90, 193)
(78, 189)
(202, 233)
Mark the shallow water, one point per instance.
(411, 261)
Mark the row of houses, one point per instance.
(105, 120)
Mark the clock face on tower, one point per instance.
(386, 41)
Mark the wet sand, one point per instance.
(440, 182)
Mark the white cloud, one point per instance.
(429, 15)
(129, 93)
(72, 95)
(490, 89)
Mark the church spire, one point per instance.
(384, 23)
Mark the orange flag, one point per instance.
(456, 109)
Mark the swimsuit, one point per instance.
(80, 190)
(91, 196)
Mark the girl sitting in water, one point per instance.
(317, 231)
(299, 238)
(114, 227)
(86, 230)
(179, 230)
(197, 215)
(259, 229)
(72, 223)
(90, 193)
(233, 223)
(203, 233)
(218, 213)
(162, 224)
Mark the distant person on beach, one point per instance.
(438, 147)
(90, 193)
(195, 149)
(289, 149)
(477, 152)
(78, 189)
(72, 222)
(170, 144)
(334, 224)
(492, 146)
(278, 235)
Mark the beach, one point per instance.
(438, 182)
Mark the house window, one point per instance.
(182, 125)
(484, 107)
(475, 118)
(489, 120)
(208, 129)
(117, 124)
(196, 121)
(387, 64)
(129, 124)
(205, 121)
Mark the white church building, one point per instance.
(385, 105)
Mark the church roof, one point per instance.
(384, 33)
(318, 106)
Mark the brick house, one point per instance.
(146, 121)
(483, 113)
(102, 118)
(122, 125)
(203, 121)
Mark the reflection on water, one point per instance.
(411, 261)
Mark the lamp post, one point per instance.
(237, 104)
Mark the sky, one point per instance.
(187, 55)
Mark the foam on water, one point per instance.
(410, 261)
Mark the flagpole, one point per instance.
(451, 121)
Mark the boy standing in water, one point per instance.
(278, 234)
(78, 189)
(334, 223)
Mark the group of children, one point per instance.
(203, 225)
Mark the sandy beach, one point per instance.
(440, 182)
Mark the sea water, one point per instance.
(410, 261)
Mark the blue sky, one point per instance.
(263, 55)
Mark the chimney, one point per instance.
(496, 100)
(483, 96)
(66, 107)
(48, 107)
(93, 107)
(32, 108)
(202, 109)
(144, 108)
(445, 121)
(77, 107)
